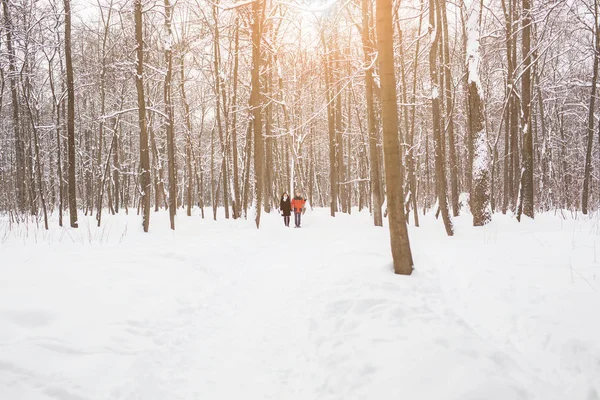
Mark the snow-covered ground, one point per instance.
(219, 310)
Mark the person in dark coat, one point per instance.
(285, 207)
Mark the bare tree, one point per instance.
(440, 165)
(591, 116)
(329, 98)
(375, 175)
(144, 185)
(168, 94)
(526, 205)
(401, 253)
(70, 118)
(480, 190)
(19, 143)
(449, 96)
(255, 104)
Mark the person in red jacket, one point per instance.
(298, 203)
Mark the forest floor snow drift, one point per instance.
(220, 310)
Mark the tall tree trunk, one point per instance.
(411, 136)
(374, 173)
(507, 165)
(105, 173)
(56, 112)
(255, 105)
(220, 106)
(168, 91)
(516, 109)
(566, 175)
(401, 253)
(70, 118)
(591, 110)
(440, 168)
(449, 96)
(21, 190)
(38, 163)
(101, 177)
(213, 188)
(331, 127)
(468, 140)
(234, 110)
(116, 174)
(144, 185)
(188, 137)
(526, 205)
(246, 188)
(512, 109)
(269, 166)
(198, 163)
(339, 142)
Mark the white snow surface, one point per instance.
(220, 310)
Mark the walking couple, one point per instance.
(287, 205)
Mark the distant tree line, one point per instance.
(128, 106)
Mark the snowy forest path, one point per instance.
(220, 310)
(296, 316)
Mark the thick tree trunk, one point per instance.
(526, 205)
(401, 253)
